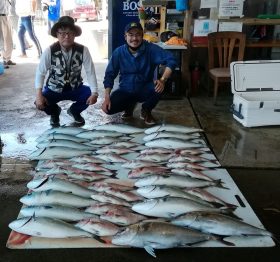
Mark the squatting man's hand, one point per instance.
(159, 86)
(40, 102)
(92, 99)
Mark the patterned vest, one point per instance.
(63, 77)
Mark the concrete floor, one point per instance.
(251, 156)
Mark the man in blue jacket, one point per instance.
(135, 63)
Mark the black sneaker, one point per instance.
(54, 120)
(127, 114)
(147, 117)
(10, 62)
(77, 117)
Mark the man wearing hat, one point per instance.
(135, 63)
(62, 63)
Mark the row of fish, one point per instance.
(127, 186)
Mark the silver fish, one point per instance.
(98, 227)
(114, 158)
(114, 150)
(68, 130)
(57, 152)
(121, 217)
(106, 198)
(100, 208)
(65, 143)
(158, 158)
(173, 128)
(170, 207)
(172, 143)
(165, 134)
(56, 136)
(174, 180)
(86, 159)
(138, 164)
(49, 183)
(91, 134)
(121, 128)
(158, 235)
(192, 173)
(56, 211)
(52, 197)
(46, 227)
(164, 191)
(219, 224)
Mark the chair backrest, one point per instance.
(225, 43)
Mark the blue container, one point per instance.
(1, 68)
(182, 5)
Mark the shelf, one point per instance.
(202, 43)
(252, 21)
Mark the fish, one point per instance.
(106, 140)
(172, 128)
(100, 208)
(165, 134)
(156, 150)
(192, 151)
(219, 224)
(56, 211)
(121, 128)
(164, 191)
(182, 165)
(139, 163)
(125, 144)
(52, 197)
(114, 150)
(152, 235)
(128, 196)
(98, 227)
(51, 163)
(207, 196)
(78, 174)
(170, 207)
(57, 152)
(50, 183)
(175, 181)
(46, 227)
(110, 157)
(102, 186)
(68, 130)
(172, 143)
(146, 171)
(91, 134)
(65, 143)
(192, 173)
(158, 158)
(106, 198)
(58, 136)
(86, 159)
(121, 217)
(93, 167)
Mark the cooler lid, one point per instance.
(255, 76)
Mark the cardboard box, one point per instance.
(256, 89)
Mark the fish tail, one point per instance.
(219, 184)
(223, 241)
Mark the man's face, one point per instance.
(134, 37)
(65, 37)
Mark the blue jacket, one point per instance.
(136, 72)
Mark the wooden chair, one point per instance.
(223, 48)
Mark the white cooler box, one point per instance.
(256, 89)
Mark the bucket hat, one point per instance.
(66, 21)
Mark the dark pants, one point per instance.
(79, 95)
(123, 100)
